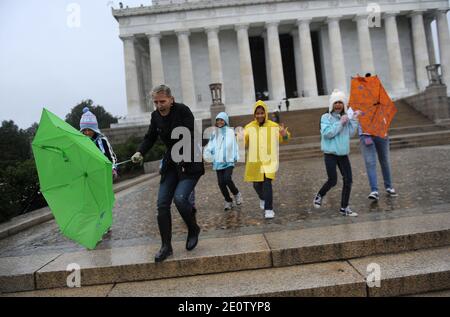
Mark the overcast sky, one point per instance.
(47, 60)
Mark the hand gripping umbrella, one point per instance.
(75, 179)
(368, 95)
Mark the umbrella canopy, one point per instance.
(368, 95)
(75, 179)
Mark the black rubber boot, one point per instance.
(193, 230)
(165, 230)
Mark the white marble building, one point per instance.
(276, 48)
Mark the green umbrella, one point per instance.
(75, 179)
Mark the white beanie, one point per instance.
(88, 121)
(337, 95)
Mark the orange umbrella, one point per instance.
(368, 95)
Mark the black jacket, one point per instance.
(180, 116)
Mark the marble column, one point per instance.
(297, 61)
(156, 63)
(131, 76)
(186, 73)
(275, 61)
(215, 62)
(365, 45)
(307, 57)
(420, 49)
(429, 35)
(245, 62)
(337, 54)
(394, 53)
(444, 45)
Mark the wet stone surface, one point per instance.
(421, 176)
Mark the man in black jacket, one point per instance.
(178, 175)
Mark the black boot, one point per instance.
(193, 230)
(165, 230)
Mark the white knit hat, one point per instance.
(88, 121)
(337, 95)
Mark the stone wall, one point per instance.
(432, 103)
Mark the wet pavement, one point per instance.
(421, 176)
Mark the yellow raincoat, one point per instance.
(261, 143)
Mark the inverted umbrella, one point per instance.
(368, 95)
(75, 179)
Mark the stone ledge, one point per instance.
(218, 255)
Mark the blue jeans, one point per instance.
(378, 146)
(180, 191)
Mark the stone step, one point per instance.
(406, 273)
(219, 255)
(402, 141)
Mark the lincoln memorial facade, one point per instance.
(276, 49)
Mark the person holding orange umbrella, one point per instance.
(368, 95)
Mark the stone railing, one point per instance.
(432, 103)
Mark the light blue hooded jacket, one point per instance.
(335, 136)
(222, 149)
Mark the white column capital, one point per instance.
(303, 21)
(212, 29)
(182, 32)
(390, 14)
(153, 34)
(127, 37)
(416, 12)
(272, 24)
(360, 16)
(334, 18)
(241, 26)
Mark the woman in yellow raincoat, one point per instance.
(262, 138)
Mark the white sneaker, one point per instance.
(269, 214)
(374, 196)
(228, 205)
(348, 212)
(261, 204)
(391, 192)
(238, 198)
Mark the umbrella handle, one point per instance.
(56, 150)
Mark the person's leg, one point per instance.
(227, 177)
(258, 186)
(268, 194)
(183, 189)
(368, 152)
(165, 196)
(346, 171)
(382, 146)
(221, 179)
(330, 165)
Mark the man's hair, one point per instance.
(162, 89)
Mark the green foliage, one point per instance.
(126, 150)
(104, 118)
(19, 189)
(14, 144)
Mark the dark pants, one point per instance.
(264, 191)
(343, 163)
(225, 183)
(172, 188)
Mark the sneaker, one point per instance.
(262, 204)
(228, 205)
(269, 214)
(391, 192)
(238, 198)
(348, 212)
(317, 201)
(374, 196)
